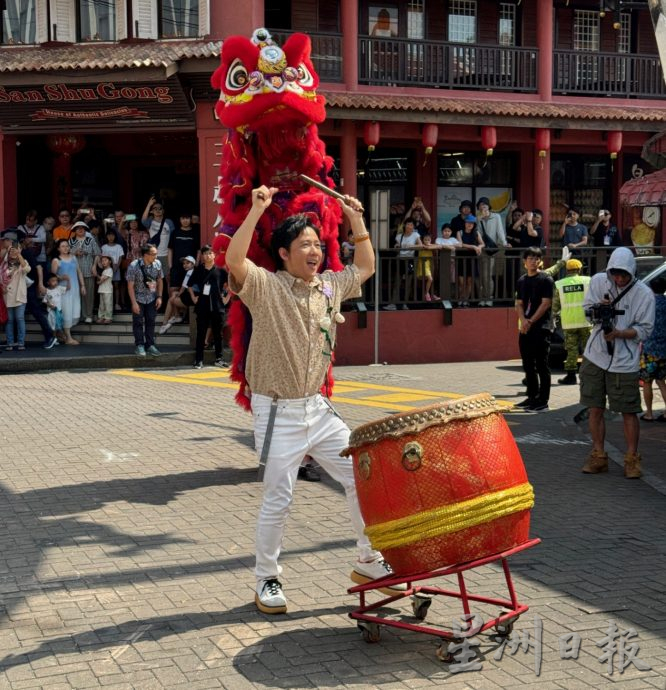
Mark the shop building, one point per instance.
(109, 102)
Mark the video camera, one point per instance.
(604, 314)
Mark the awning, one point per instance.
(649, 190)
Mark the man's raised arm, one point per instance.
(364, 255)
(236, 256)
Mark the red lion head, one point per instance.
(262, 84)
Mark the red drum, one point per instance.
(441, 485)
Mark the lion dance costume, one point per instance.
(269, 104)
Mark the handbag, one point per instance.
(491, 245)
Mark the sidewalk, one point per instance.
(126, 552)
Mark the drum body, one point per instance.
(441, 485)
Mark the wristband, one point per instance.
(361, 238)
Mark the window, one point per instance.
(624, 34)
(586, 40)
(415, 19)
(18, 22)
(586, 31)
(180, 18)
(169, 18)
(462, 21)
(97, 19)
(507, 24)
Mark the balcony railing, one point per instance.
(326, 53)
(608, 74)
(406, 62)
(438, 64)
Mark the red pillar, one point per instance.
(209, 137)
(8, 189)
(545, 44)
(542, 190)
(348, 157)
(349, 19)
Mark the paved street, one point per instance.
(128, 501)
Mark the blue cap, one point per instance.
(470, 219)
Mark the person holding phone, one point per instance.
(573, 234)
(603, 232)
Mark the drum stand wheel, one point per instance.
(370, 632)
(505, 628)
(420, 606)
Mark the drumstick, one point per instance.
(324, 188)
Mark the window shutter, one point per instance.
(145, 13)
(121, 19)
(63, 16)
(204, 18)
(42, 30)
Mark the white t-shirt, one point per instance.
(154, 227)
(447, 242)
(38, 235)
(54, 296)
(407, 241)
(115, 251)
(186, 279)
(107, 286)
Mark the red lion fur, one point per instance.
(271, 110)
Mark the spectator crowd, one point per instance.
(80, 268)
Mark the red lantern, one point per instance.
(429, 137)
(371, 134)
(65, 144)
(488, 139)
(543, 142)
(614, 143)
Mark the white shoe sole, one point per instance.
(271, 610)
(364, 580)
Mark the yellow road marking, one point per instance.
(388, 401)
(173, 379)
(401, 397)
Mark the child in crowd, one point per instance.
(105, 291)
(114, 250)
(348, 249)
(53, 301)
(448, 243)
(179, 301)
(424, 268)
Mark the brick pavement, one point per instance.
(128, 512)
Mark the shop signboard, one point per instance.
(105, 105)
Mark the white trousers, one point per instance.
(303, 426)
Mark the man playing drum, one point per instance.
(294, 315)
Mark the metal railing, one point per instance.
(469, 281)
(607, 74)
(326, 52)
(406, 62)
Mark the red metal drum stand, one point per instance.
(421, 598)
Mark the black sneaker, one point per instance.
(198, 365)
(538, 407)
(309, 472)
(50, 342)
(528, 402)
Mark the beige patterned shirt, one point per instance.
(289, 352)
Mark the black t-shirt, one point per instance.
(457, 225)
(213, 277)
(526, 240)
(31, 260)
(531, 290)
(185, 243)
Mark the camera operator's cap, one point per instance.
(574, 265)
(80, 224)
(188, 258)
(470, 219)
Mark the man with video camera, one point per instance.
(621, 309)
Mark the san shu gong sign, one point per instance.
(102, 106)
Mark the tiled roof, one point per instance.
(645, 191)
(497, 107)
(104, 55)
